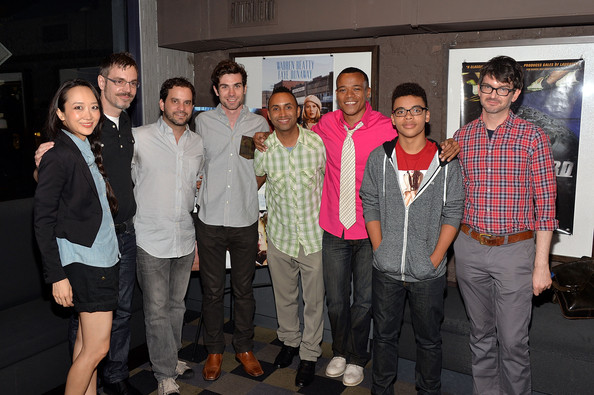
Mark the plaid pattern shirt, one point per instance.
(293, 191)
(509, 179)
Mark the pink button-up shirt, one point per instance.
(376, 129)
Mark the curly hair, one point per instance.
(227, 66)
(172, 83)
(409, 89)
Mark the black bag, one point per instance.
(573, 283)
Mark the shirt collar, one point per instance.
(508, 123)
(166, 129)
(83, 146)
(223, 116)
(365, 118)
(304, 139)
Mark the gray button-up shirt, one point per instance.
(164, 174)
(229, 192)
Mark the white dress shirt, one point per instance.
(165, 174)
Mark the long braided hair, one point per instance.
(54, 126)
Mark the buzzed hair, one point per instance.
(352, 70)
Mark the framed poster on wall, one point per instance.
(558, 90)
(305, 72)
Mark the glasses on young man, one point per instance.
(120, 82)
(502, 91)
(414, 111)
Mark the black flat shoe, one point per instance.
(305, 373)
(120, 388)
(285, 356)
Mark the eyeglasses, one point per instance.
(485, 88)
(120, 83)
(414, 111)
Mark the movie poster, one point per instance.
(551, 99)
(309, 77)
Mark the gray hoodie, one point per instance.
(410, 234)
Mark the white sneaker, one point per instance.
(168, 387)
(336, 367)
(183, 371)
(353, 375)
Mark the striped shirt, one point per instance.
(509, 179)
(294, 181)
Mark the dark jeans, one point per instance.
(344, 260)
(115, 365)
(426, 300)
(213, 243)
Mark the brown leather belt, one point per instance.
(496, 240)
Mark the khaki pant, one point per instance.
(285, 272)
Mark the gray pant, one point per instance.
(496, 285)
(284, 272)
(164, 282)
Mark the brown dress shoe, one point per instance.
(250, 363)
(212, 367)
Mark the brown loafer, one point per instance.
(212, 367)
(250, 363)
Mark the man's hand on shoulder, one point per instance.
(449, 149)
(42, 149)
(259, 138)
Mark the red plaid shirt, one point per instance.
(509, 179)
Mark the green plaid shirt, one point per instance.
(293, 191)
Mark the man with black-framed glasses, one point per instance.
(412, 204)
(349, 134)
(118, 82)
(510, 185)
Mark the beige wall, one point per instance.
(420, 58)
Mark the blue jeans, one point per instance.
(344, 260)
(426, 300)
(115, 364)
(164, 283)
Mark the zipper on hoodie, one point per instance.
(405, 233)
(406, 208)
(404, 242)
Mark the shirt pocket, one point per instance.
(276, 183)
(308, 183)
